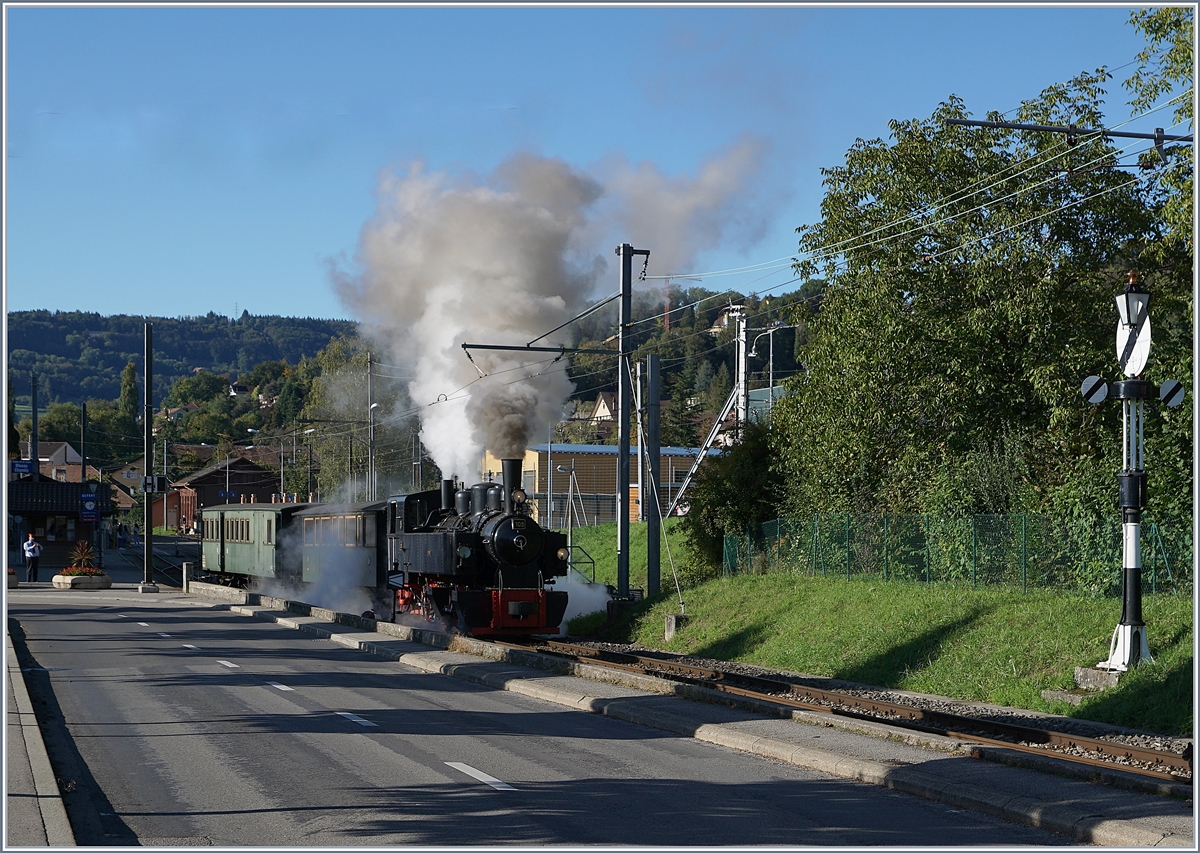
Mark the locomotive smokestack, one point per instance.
(511, 469)
(447, 494)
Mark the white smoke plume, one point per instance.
(677, 217)
(446, 263)
(505, 259)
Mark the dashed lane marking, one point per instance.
(144, 624)
(357, 719)
(481, 776)
(279, 686)
(190, 646)
(161, 634)
(228, 664)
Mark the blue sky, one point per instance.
(175, 161)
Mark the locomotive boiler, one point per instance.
(477, 558)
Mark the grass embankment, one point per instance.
(991, 644)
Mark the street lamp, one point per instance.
(770, 333)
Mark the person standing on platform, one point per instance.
(33, 553)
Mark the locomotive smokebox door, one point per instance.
(513, 540)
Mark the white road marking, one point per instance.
(279, 686)
(161, 634)
(481, 776)
(190, 646)
(357, 719)
(144, 624)
(228, 664)
(122, 615)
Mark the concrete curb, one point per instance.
(45, 784)
(909, 780)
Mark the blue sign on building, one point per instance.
(91, 508)
(22, 466)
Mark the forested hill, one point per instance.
(80, 356)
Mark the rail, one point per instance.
(1072, 747)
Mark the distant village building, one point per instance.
(54, 512)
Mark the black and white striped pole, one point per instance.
(1129, 645)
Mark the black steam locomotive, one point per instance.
(477, 558)
(471, 557)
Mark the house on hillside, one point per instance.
(178, 412)
(605, 408)
(53, 452)
(724, 318)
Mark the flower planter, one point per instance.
(81, 582)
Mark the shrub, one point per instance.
(76, 571)
(83, 554)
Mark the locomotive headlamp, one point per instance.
(464, 551)
(563, 554)
(518, 496)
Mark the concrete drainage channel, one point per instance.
(622, 696)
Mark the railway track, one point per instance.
(1102, 752)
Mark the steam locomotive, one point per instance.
(472, 557)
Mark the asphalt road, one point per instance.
(174, 724)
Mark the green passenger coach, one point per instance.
(343, 541)
(296, 543)
(250, 540)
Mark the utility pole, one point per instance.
(654, 516)
(641, 457)
(624, 398)
(33, 436)
(147, 584)
(83, 442)
(738, 313)
(370, 430)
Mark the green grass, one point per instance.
(991, 644)
(600, 544)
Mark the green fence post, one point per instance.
(1024, 552)
(975, 552)
(812, 545)
(1153, 563)
(847, 546)
(885, 548)
(928, 571)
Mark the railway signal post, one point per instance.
(1129, 645)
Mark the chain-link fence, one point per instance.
(1015, 550)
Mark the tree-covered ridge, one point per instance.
(80, 355)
